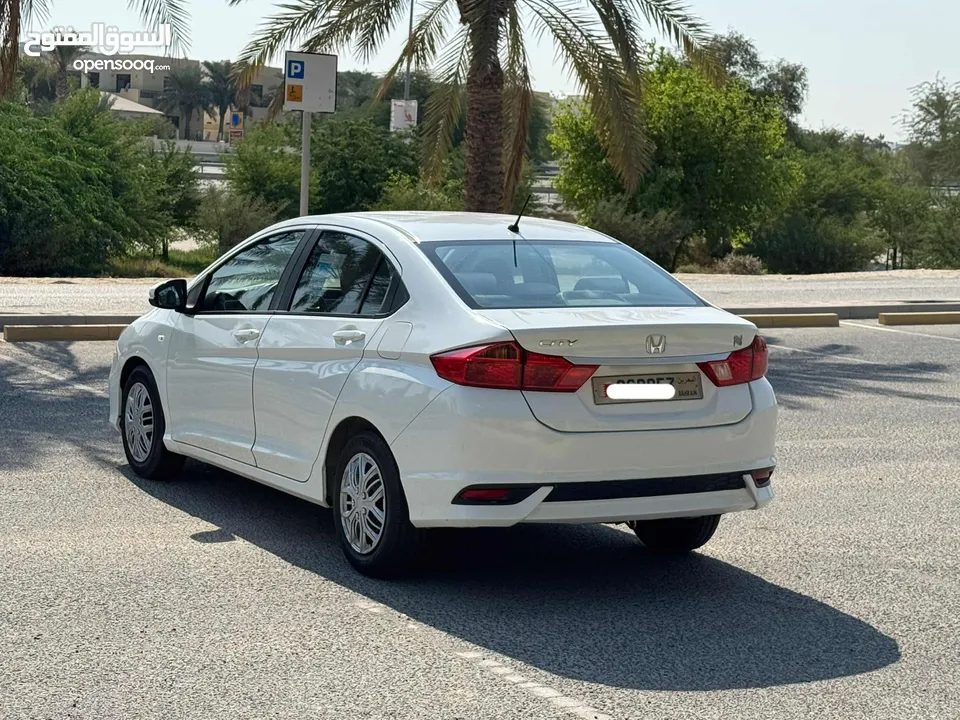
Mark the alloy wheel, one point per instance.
(363, 503)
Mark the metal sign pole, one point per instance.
(305, 166)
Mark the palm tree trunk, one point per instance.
(185, 114)
(483, 143)
(62, 84)
(223, 110)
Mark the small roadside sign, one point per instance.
(310, 81)
(236, 120)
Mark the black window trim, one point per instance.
(311, 232)
(429, 249)
(298, 264)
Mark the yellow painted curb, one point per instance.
(797, 320)
(919, 318)
(27, 333)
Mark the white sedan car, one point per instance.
(418, 370)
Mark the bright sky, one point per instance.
(862, 55)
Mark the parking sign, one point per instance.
(310, 81)
(295, 69)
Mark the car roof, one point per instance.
(425, 226)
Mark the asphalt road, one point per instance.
(130, 296)
(213, 597)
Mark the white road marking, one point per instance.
(555, 697)
(54, 376)
(824, 355)
(895, 330)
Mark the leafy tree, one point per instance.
(933, 123)
(780, 79)
(265, 165)
(17, 15)
(829, 225)
(351, 161)
(223, 90)
(483, 69)
(176, 173)
(76, 188)
(719, 158)
(188, 93)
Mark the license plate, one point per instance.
(688, 386)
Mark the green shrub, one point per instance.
(76, 188)
(736, 264)
(403, 192)
(226, 217)
(660, 237)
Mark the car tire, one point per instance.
(142, 426)
(370, 513)
(676, 536)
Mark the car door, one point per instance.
(213, 348)
(307, 351)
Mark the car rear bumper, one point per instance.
(474, 437)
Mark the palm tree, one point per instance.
(61, 58)
(477, 50)
(187, 93)
(17, 15)
(223, 91)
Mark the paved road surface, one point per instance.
(213, 597)
(129, 296)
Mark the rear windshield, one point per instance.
(554, 273)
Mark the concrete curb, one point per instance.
(782, 320)
(920, 318)
(48, 333)
(64, 319)
(851, 312)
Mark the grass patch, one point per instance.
(181, 263)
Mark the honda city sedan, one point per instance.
(420, 370)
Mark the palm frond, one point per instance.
(518, 103)
(31, 10)
(289, 27)
(166, 12)
(673, 19)
(620, 22)
(377, 20)
(429, 33)
(444, 107)
(585, 49)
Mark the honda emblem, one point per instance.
(656, 344)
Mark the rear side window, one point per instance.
(344, 275)
(547, 274)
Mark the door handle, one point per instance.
(347, 337)
(246, 335)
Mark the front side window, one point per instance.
(344, 275)
(247, 281)
(549, 274)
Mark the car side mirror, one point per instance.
(170, 295)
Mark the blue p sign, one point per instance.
(295, 69)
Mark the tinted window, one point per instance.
(544, 274)
(337, 275)
(248, 280)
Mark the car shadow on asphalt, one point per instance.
(833, 370)
(581, 602)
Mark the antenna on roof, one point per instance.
(515, 228)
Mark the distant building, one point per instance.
(144, 87)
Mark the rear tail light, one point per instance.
(510, 367)
(740, 367)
